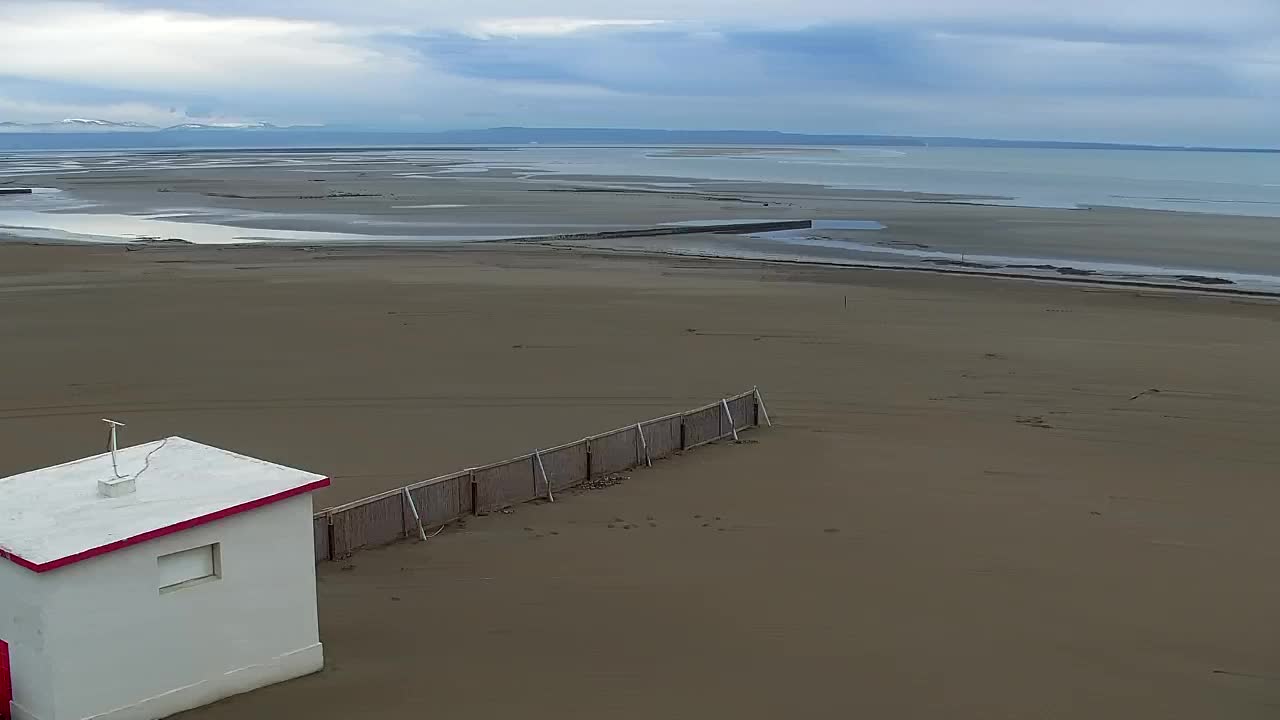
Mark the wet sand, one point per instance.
(983, 498)
(444, 197)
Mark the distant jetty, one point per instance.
(741, 228)
(15, 191)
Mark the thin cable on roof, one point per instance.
(146, 462)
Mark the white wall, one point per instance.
(123, 650)
(23, 598)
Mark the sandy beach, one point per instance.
(982, 498)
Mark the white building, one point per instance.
(179, 576)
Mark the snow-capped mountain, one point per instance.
(225, 126)
(103, 124)
(76, 125)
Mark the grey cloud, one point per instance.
(1168, 70)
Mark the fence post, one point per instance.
(761, 409)
(728, 415)
(537, 455)
(648, 461)
(416, 517)
(329, 531)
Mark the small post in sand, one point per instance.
(537, 454)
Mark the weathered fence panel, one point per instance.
(440, 500)
(743, 409)
(386, 517)
(566, 466)
(616, 451)
(375, 521)
(703, 426)
(321, 523)
(663, 436)
(498, 486)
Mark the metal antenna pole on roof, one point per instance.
(115, 469)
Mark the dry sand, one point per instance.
(975, 503)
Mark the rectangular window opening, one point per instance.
(190, 567)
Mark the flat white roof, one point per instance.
(55, 516)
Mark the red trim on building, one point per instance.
(161, 532)
(6, 681)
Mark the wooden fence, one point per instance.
(410, 511)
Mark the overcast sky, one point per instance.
(1171, 71)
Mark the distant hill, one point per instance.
(78, 134)
(84, 126)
